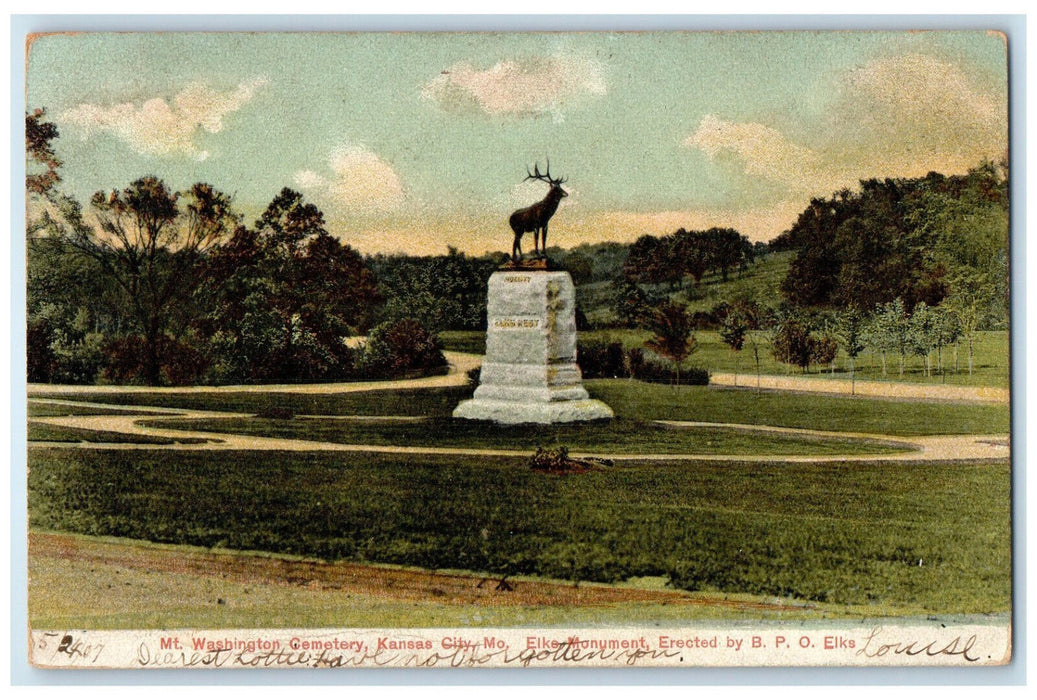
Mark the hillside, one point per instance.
(761, 281)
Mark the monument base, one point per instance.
(513, 412)
(529, 373)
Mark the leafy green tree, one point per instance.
(851, 329)
(43, 163)
(396, 348)
(888, 332)
(633, 307)
(153, 250)
(648, 261)
(672, 327)
(905, 238)
(793, 344)
(442, 292)
(282, 296)
(948, 331)
(970, 293)
(744, 320)
(923, 334)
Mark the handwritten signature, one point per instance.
(874, 647)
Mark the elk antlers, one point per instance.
(543, 177)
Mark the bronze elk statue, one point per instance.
(534, 218)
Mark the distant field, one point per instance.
(42, 432)
(991, 366)
(615, 437)
(926, 537)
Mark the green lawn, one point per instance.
(919, 536)
(612, 437)
(813, 411)
(991, 366)
(400, 402)
(632, 400)
(42, 432)
(38, 409)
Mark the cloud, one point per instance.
(159, 127)
(762, 150)
(916, 109)
(517, 87)
(359, 179)
(900, 116)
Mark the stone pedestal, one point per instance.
(529, 373)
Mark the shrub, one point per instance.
(558, 461)
(647, 369)
(398, 348)
(601, 360)
(180, 363)
(76, 361)
(39, 355)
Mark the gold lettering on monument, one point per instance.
(516, 323)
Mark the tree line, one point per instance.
(153, 286)
(670, 259)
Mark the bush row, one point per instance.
(396, 349)
(612, 361)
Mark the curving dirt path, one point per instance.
(925, 448)
(892, 390)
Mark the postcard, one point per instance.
(539, 350)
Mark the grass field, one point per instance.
(613, 437)
(630, 399)
(59, 433)
(131, 592)
(923, 537)
(397, 402)
(811, 411)
(38, 409)
(991, 361)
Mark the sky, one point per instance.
(416, 142)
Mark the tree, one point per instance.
(282, 297)
(642, 263)
(970, 292)
(923, 334)
(744, 320)
(948, 331)
(888, 332)
(39, 148)
(398, 347)
(793, 344)
(672, 327)
(153, 250)
(632, 305)
(851, 328)
(823, 350)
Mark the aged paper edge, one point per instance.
(895, 645)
